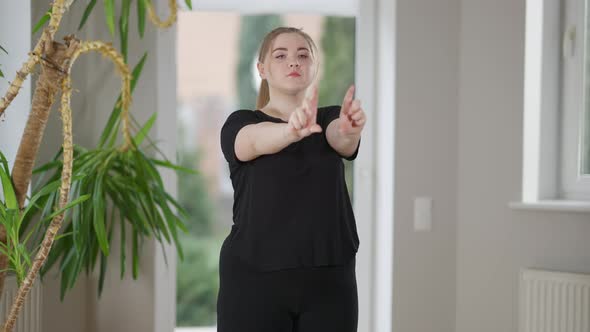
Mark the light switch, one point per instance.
(422, 214)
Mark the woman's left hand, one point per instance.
(352, 117)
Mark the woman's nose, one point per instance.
(294, 64)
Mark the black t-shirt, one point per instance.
(291, 208)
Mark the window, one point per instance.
(556, 161)
(575, 129)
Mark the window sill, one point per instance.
(553, 205)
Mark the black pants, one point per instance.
(313, 299)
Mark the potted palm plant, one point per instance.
(83, 192)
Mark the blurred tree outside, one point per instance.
(193, 195)
(196, 277)
(252, 31)
(338, 45)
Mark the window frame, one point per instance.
(574, 185)
(546, 164)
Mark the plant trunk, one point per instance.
(56, 56)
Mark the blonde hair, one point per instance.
(263, 93)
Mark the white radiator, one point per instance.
(29, 318)
(553, 301)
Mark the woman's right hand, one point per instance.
(302, 121)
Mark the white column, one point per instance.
(164, 56)
(15, 37)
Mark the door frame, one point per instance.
(372, 199)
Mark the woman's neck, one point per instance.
(282, 105)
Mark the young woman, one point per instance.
(288, 263)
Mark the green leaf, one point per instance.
(145, 129)
(98, 217)
(94, 251)
(35, 229)
(189, 4)
(79, 261)
(65, 268)
(123, 246)
(141, 8)
(103, 270)
(43, 20)
(168, 164)
(51, 202)
(135, 255)
(76, 217)
(103, 263)
(109, 11)
(55, 252)
(50, 188)
(67, 206)
(8, 189)
(59, 237)
(4, 163)
(137, 71)
(177, 205)
(111, 127)
(1, 73)
(132, 214)
(170, 219)
(48, 166)
(87, 12)
(25, 254)
(124, 26)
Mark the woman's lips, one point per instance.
(294, 74)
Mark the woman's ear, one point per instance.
(260, 67)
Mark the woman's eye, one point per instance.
(280, 56)
(303, 56)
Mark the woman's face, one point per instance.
(288, 65)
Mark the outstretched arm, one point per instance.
(267, 138)
(344, 133)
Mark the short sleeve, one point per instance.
(229, 131)
(327, 115)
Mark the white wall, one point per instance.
(493, 241)
(426, 163)
(458, 139)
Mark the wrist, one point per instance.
(288, 135)
(348, 137)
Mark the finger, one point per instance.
(302, 116)
(307, 108)
(313, 103)
(357, 115)
(295, 121)
(344, 124)
(316, 128)
(291, 128)
(309, 115)
(346, 103)
(354, 106)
